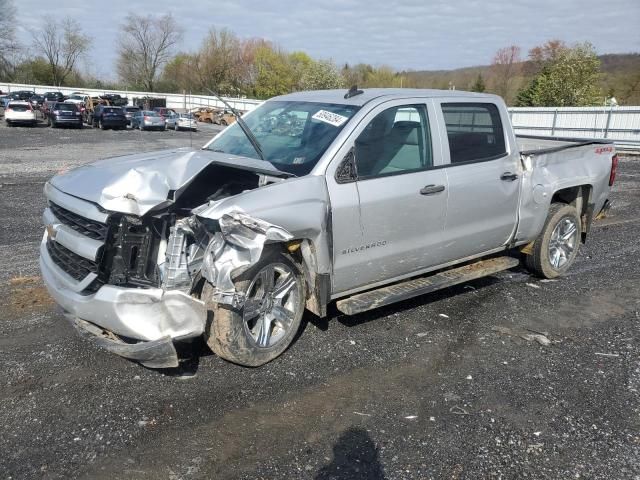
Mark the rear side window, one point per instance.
(474, 131)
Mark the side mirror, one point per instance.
(347, 171)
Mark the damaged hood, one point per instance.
(137, 183)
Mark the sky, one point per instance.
(411, 34)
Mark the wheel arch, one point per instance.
(580, 196)
(317, 284)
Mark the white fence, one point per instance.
(178, 101)
(621, 124)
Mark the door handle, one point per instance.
(509, 177)
(431, 189)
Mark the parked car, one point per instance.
(54, 97)
(148, 120)
(105, 116)
(22, 95)
(77, 98)
(184, 121)
(224, 118)
(19, 113)
(36, 100)
(65, 114)
(129, 112)
(164, 112)
(370, 198)
(205, 114)
(115, 99)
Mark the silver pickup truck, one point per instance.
(360, 197)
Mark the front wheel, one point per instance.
(556, 248)
(270, 318)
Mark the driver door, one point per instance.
(389, 219)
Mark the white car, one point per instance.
(77, 98)
(186, 121)
(20, 113)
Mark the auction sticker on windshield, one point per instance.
(330, 118)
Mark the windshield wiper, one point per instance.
(242, 124)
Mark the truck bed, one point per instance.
(535, 145)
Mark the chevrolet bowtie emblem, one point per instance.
(51, 232)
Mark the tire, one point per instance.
(556, 248)
(236, 335)
(223, 123)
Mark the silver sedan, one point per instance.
(148, 120)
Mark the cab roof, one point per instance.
(337, 96)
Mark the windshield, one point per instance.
(293, 135)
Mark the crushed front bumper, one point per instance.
(159, 353)
(151, 317)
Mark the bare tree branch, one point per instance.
(9, 48)
(146, 45)
(506, 65)
(62, 44)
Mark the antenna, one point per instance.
(353, 91)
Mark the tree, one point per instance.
(8, 46)
(478, 85)
(382, 77)
(145, 46)
(61, 44)
(274, 72)
(215, 63)
(505, 67)
(321, 75)
(35, 70)
(178, 74)
(568, 78)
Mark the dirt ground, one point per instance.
(452, 385)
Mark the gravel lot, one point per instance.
(442, 386)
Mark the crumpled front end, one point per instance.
(138, 320)
(237, 246)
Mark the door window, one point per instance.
(474, 131)
(396, 141)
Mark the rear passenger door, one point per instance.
(483, 174)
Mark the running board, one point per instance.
(397, 292)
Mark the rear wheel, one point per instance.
(556, 248)
(270, 318)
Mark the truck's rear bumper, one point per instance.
(152, 317)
